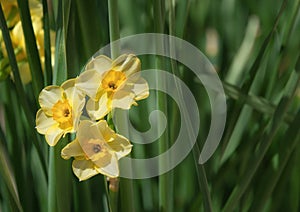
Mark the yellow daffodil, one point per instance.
(17, 37)
(10, 9)
(96, 149)
(112, 84)
(61, 108)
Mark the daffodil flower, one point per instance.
(96, 149)
(17, 36)
(61, 107)
(112, 84)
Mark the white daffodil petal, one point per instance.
(110, 169)
(107, 133)
(53, 135)
(123, 99)
(140, 89)
(43, 122)
(128, 64)
(89, 82)
(84, 169)
(73, 149)
(98, 109)
(49, 96)
(70, 83)
(100, 64)
(88, 130)
(76, 99)
(121, 146)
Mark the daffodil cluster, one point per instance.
(105, 84)
(10, 9)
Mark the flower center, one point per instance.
(62, 113)
(96, 148)
(112, 80)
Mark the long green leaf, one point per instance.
(31, 47)
(6, 172)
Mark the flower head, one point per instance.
(61, 107)
(112, 84)
(96, 149)
(17, 36)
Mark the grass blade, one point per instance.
(31, 48)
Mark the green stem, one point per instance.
(52, 181)
(165, 186)
(114, 33)
(47, 45)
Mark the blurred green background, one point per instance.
(254, 47)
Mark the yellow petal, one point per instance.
(107, 133)
(43, 122)
(110, 169)
(88, 130)
(84, 169)
(73, 149)
(68, 84)
(127, 63)
(100, 63)
(25, 73)
(36, 8)
(121, 146)
(123, 99)
(89, 82)
(76, 99)
(140, 89)
(49, 96)
(53, 135)
(17, 35)
(98, 109)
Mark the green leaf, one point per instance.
(6, 172)
(31, 47)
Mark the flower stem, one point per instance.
(52, 181)
(166, 180)
(114, 33)
(47, 44)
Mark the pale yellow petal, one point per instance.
(76, 100)
(49, 96)
(89, 82)
(140, 89)
(84, 169)
(98, 109)
(121, 146)
(72, 149)
(127, 63)
(44, 122)
(88, 130)
(25, 73)
(53, 135)
(109, 168)
(36, 8)
(17, 35)
(107, 133)
(100, 63)
(123, 99)
(70, 83)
